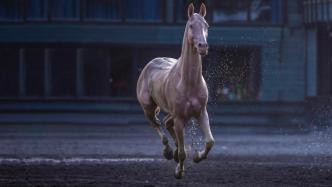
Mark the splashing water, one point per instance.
(194, 140)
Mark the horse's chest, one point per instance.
(193, 107)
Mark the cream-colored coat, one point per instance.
(177, 87)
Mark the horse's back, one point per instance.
(161, 64)
(152, 78)
(156, 70)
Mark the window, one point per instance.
(247, 11)
(147, 10)
(34, 64)
(36, 9)
(63, 72)
(230, 11)
(103, 10)
(121, 72)
(10, 10)
(96, 72)
(65, 9)
(324, 74)
(9, 72)
(260, 10)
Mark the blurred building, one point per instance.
(86, 55)
(317, 18)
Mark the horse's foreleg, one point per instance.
(169, 123)
(209, 140)
(155, 122)
(179, 126)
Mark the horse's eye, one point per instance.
(191, 26)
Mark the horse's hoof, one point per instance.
(168, 153)
(178, 173)
(196, 157)
(176, 156)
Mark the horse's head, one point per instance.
(197, 29)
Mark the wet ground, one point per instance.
(217, 171)
(60, 155)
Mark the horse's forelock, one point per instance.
(198, 17)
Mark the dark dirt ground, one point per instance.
(245, 159)
(216, 171)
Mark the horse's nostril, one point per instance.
(199, 45)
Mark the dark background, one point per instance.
(68, 73)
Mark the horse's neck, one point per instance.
(190, 66)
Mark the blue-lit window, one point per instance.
(230, 11)
(143, 10)
(267, 11)
(247, 11)
(10, 10)
(65, 9)
(103, 10)
(36, 9)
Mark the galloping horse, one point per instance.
(177, 87)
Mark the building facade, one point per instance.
(317, 16)
(80, 50)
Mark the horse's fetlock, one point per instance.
(182, 155)
(210, 143)
(165, 140)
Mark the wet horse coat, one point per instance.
(177, 87)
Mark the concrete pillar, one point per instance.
(79, 73)
(169, 11)
(311, 60)
(47, 73)
(22, 73)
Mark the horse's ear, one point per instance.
(191, 10)
(202, 10)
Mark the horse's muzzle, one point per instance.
(203, 52)
(202, 49)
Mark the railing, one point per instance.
(317, 11)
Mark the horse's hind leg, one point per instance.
(150, 112)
